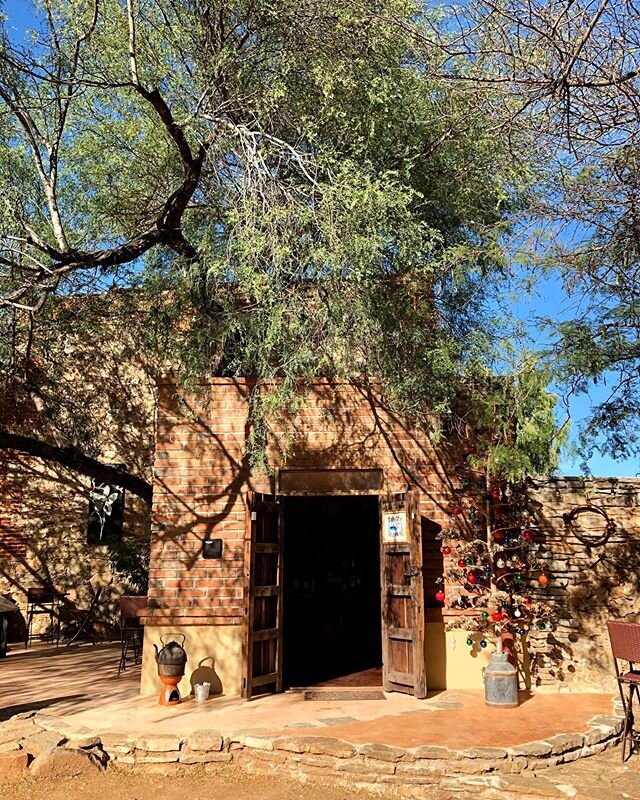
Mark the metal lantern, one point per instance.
(501, 682)
(171, 661)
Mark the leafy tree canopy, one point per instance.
(290, 186)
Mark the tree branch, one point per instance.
(74, 458)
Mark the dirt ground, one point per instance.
(227, 784)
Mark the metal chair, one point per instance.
(80, 620)
(131, 629)
(625, 646)
(43, 601)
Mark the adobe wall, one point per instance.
(43, 538)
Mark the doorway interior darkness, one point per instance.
(331, 609)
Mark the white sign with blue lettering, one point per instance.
(394, 527)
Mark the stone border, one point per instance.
(30, 739)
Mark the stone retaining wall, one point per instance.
(45, 744)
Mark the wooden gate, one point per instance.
(262, 667)
(403, 656)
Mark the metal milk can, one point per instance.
(501, 682)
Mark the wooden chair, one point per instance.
(42, 601)
(131, 629)
(625, 646)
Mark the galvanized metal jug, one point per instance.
(501, 682)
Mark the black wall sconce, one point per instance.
(212, 548)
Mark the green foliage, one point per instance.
(515, 414)
(348, 216)
(129, 560)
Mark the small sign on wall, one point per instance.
(394, 527)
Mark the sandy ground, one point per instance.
(228, 784)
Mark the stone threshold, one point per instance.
(28, 740)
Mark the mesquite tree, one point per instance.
(290, 188)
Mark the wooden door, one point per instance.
(263, 599)
(403, 655)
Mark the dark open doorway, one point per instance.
(331, 588)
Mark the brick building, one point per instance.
(325, 563)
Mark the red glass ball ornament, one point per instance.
(462, 562)
(472, 578)
(446, 550)
(543, 580)
(528, 601)
(440, 596)
(457, 511)
(527, 536)
(497, 616)
(498, 536)
(495, 493)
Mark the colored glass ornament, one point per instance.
(472, 578)
(469, 561)
(541, 626)
(483, 643)
(462, 562)
(521, 631)
(456, 511)
(495, 493)
(440, 596)
(470, 641)
(497, 616)
(527, 536)
(519, 578)
(543, 580)
(498, 536)
(446, 550)
(500, 563)
(528, 601)
(484, 614)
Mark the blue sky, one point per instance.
(548, 299)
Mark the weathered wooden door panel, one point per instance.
(404, 668)
(263, 601)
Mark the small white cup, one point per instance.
(201, 692)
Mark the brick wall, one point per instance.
(202, 479)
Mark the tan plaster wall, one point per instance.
(214, 654)
(451, 663)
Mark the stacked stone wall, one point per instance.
(589, 583)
